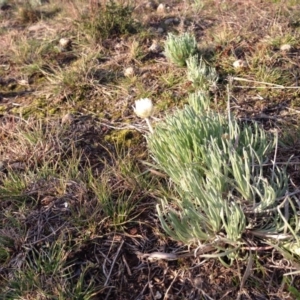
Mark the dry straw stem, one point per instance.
(266, 84)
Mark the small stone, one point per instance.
(17, 166)
(171, 21)
(129, 72)
(64, 43)
(118, 46)
(23, 82)
(67, 119)
(198, 282)
(155, 47)
(152, 29)
(158, 295)
(160, 30)
(161, 8)
(285, 47)
(47, 200)
(239, 64)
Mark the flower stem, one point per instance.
(149, 125)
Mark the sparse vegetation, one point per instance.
(29, 14)
(93, 206)
(179, 48)
(200, 74)
(223, 192)
(109, 20)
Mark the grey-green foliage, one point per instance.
(216, 165)
(199, 101)
(200, 73)
(178, 48)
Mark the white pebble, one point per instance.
(155, 47)
(238, 64)
(161, 8)
(129, 72)
(64, 42)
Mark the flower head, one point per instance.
(143, 108)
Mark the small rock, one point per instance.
(160, 30)
(17, 166)
(285, 47)
(129, 72)
(161, 8)
(158, 295)
(198, 282)
(67, 119)
(23, 82)
(239, 64)
(155, 47)
(171, 21)
(47, 200)
(152, 29)
(118, 46)
(64, 44)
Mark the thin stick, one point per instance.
(113, 263)
(126, 264)
(278, 163)
(295, 110)
(168, 289)
(254, 81)
(275, 156)
(149, 125)
(266, 87)
(44, 238)
(205, 295)
(292, 273)
(247, 272)
(142, 291)
(174, 256)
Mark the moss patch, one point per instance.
(124, 138)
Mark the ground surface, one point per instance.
(77, 197)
